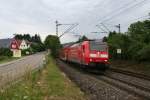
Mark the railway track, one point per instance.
(132, 82)
(141, 90)
(138, 75)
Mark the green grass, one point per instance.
(7, 59)
(48, 84)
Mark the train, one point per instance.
(92, 54)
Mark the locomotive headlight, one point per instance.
(93, 55)
(104, 55)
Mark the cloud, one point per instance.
(38, 16)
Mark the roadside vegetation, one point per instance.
(48, 84)
(5, 59)
(135, 44)
(5, 55)
(36, 46)
(36, 43)
(53, 43)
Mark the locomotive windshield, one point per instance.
(100, 46)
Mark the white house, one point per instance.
(20, 44)
(24, 45)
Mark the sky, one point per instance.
(39, 16)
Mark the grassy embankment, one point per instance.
(4, 59)
(48, 84)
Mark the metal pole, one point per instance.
(119, 27)
(56, 27)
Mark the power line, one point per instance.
(135, 5)
(105, 27)
(98, 26)
(114, 11)
(136, 19)
(69, 29)
(72, 26)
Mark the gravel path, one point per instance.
(15, 69)
(94, 88)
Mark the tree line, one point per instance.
(135, 43)
(36, 43)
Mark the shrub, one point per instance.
(5, 52)
(26, 51)
(143, 54)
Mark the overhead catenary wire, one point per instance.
(114, 11)
(123, 10)
(98, 26)
(136, 19)
(69, 29)
(105, 27)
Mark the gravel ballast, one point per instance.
(95, 89)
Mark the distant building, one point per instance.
(14, 44)
(5, 43)
(24, 45)
(20, 44)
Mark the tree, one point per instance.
(52, 42)
(140, 31)
(135, 44)
(36, 43)
(18, 36)
(83, 38)
(118, 41)
(36, 38)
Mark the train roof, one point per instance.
(68, 44)
(73, 43)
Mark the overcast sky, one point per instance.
(39, 16)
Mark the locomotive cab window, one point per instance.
(98, 46)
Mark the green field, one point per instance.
(48, 84)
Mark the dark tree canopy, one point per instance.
(36, 43)
(83, 38)
(135, 44)
(52, 42)
(36, 38)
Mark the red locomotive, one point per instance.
(92, 54)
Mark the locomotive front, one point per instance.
(98, 54)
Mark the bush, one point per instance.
(143, 54)
(133, 50)
(26, 52)
(5, 52)
(53, 43)
(37, 47)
